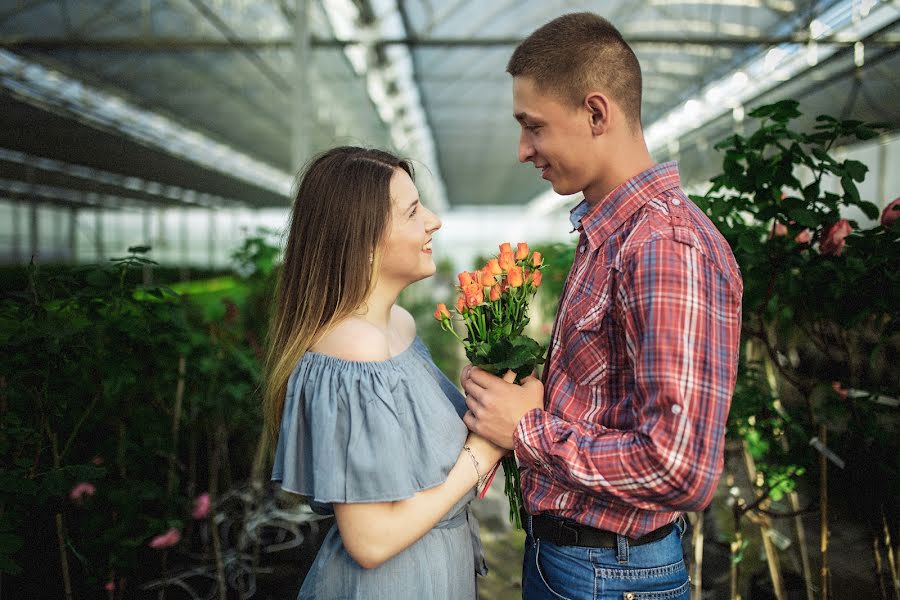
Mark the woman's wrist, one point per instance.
(480, 472)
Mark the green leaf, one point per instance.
(869, 209)
(865, 133)
(855, 169)
(850, 189)
(139, 249)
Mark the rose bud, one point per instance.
(166, 540)
(495, 293)
(833, 241)
(464, 279)
(804, 237)
(515, 277)
(778, 230)
(536, 278)
(521, 251)
(486, 278)
(506, 247)
(890, 213)
(506, 261)
(460, 305)
(441, 313)
(537, 259)
(493, 266)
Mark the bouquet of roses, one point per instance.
(493, 304)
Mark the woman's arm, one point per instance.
(375, 532)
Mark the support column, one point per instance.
(16, 232)
(301, 115)
(33, 230)
(99, 250)
(73, 235)
(212, 237)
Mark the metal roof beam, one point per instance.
(183, 44)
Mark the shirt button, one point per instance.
(581, 249)
(629, 596)
(676, 201)
(676, 409)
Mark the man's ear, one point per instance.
(600, 111)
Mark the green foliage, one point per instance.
(89, 382)
(812, 315)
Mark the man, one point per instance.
(627, 431)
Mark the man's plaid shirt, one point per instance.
(643, 361)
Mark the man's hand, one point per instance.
(496, 405)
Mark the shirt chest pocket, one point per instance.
(587, 338)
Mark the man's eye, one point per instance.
(532, 128)
(413, 213)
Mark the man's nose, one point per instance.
(526, 151)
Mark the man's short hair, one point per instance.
(579, 52)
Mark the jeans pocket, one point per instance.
(664, 582)
(682, 592)
(541, 572)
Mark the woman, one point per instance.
(367, 426)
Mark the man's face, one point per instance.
(556, 137)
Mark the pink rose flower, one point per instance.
(804, 237)
(166, 540)
(833, 241)
(81, 490)
(778, 230)
(841, 390)
(110, 586)
(201, 502)
(890, 213)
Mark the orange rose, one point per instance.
(521, 251)
(536, 278)
(495, 293)
(464, 279)
(441, 313)
(487, 278)
(493, 266)
(506, 247)
(537, 259)
(460, 305)
(506, 261)
(516, 277)
(474, 294)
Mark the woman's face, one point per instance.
(406, 251)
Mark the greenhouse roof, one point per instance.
(218, 102)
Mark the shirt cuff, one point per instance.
(527, 439)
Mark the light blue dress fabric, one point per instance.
(372, 432)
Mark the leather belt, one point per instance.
(567, 533)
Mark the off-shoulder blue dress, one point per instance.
(378, 431)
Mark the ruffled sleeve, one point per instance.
(343, 436)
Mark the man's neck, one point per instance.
(632, 161)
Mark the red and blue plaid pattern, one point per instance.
(642, 365)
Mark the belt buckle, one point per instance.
(568, 535)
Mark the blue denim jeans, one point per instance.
(651, 571)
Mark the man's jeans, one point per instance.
(650, 571)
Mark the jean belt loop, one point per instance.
(683, 524)
(622, 549)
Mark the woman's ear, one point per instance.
(599, 110)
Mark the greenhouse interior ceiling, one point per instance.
(218, 103)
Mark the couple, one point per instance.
(624, 433)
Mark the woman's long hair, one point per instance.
(340, 215)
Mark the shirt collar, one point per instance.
(600, 220)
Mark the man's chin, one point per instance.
(562, 189)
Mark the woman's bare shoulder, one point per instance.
(354, 339)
